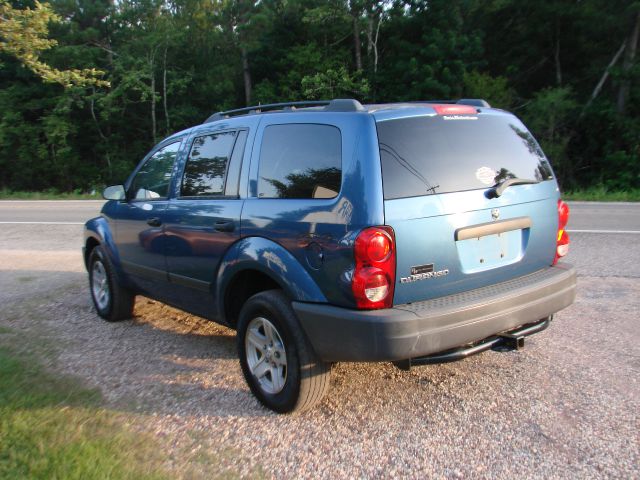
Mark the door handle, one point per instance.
(224, 226)
(154, 222)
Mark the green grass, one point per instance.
(53, 428)
(50, 194)
(601, 194)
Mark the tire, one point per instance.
(277, 361)
(112, 301)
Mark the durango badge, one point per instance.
(423, 272)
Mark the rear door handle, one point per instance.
(154, 222)
(224, 226)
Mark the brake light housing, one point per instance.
(562, 239)
(374, 274)
(454, 109)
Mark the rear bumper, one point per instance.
(424, 328)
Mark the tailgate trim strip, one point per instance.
(492, 228)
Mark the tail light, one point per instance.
(454, 109)
(375, 271)
(562, 242)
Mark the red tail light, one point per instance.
(454, 109)
(374, 276)
(562, 240)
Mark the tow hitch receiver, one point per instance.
(503, 342)
(510, 342)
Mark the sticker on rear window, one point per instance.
(459, 117)
(486, 175)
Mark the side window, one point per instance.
(233, 173)
(153, 179)
(204, 174)
(300, 161)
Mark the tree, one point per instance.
(24, 35)
(631, 48)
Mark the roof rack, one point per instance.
(336, 105)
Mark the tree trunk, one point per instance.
(369, 33)
(625, 85)
(375, 45)
(153, 99)
(246, 73)
(102, 135)
(356, 40)
(556, 57)
(164, 88)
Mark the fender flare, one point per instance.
(98, 229)
(272, 259)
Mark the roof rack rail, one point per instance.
(474, 102)
(336, 105)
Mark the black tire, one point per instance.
(117, 302)
(307, 377)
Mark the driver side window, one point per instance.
(153, 179)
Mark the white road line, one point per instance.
(51, 201)
(605, 231)
(41, 223)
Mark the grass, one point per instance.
(49, 194)
(51, 427)
(601, 194)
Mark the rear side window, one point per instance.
(205, 172)
(300, 161)
(430, 155)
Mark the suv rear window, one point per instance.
(300, 161)
(431, 155)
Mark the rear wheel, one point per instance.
(278, 362)
(112, 301)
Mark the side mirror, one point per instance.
(114, 192)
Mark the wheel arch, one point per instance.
(97, 231)
(89, 244)
(257, 264)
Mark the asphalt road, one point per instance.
(585, 216)
(48, 211)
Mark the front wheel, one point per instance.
(113, 302)
(277, 361)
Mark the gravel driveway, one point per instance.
(566, 406)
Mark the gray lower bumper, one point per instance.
(424, 328)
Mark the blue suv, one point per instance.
(330, 231)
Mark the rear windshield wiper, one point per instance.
(501, 187)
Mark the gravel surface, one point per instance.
(566, 406)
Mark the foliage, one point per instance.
(171, 63)
(50, 194)
(602, 194)
(24, 34)
(334, 84)
(551, 114)
(495, 90)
